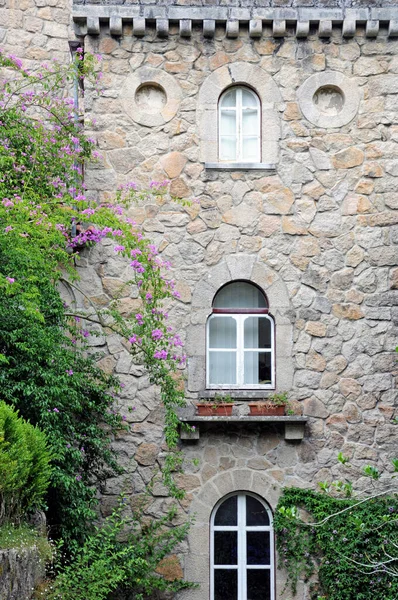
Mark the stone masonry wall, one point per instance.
(318, 232)
(36, 30)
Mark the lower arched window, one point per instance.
(242, 549)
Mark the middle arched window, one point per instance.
(239, 125)
(240, 339)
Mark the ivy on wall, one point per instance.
(347, 546)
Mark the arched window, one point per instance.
(239, 125)
(242, 549)
(240, 339)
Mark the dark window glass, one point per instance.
(225, 547)
(258, 584)
(227, 512)
(258, 548)
(226, 584)
(256, 513)
(257, 332)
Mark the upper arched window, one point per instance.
(242, 553)
(239, 125)
(240, 339)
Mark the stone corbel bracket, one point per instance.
(278, 22)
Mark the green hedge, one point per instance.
(24, 466)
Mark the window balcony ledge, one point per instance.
(293, 425)
(240, 166)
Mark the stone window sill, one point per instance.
(239, 166)
(237, 394)
(293, 426)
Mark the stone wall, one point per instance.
(315, 225)
(36, 30)
(317, 230)
(20, 572)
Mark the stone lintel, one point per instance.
(90, 17)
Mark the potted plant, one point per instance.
(274, 405)
(217, 406)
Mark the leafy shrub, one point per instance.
(24, 465)
(105, 564)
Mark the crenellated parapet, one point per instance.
(277, 22)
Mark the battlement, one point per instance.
(259, 17)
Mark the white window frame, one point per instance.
(239, 108)
(240, 351)
(242, 528)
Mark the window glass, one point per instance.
(240, 345)
(257, 332)
(229, 99)
(249, 122)
(256, 513)
(222, 368)
(242, 556)
(227, 512)
(248, 98)
(222, 332)
(257, 368)
(226, 548)
(239, 126)
(258, 584)
(226, 584)
(257, 547)
(240, 294)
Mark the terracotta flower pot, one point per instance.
(266, 410)
(214, 410)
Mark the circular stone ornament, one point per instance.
(150, 97)
(329, 99)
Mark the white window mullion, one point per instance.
(239, 140)
(241, 547)
(240, 350)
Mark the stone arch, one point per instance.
(207, 113)
(233, 267)
(237, 480)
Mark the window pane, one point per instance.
(225, 547)
(229, 99)
(250, 122)
(227, 512)
(226, 584)
(222, 332)
(258, 548)
(257, 332)
(258, 584)
(222, 367)
(248, 98)
(250, 149)
(228, 123)
(240, 294)
(228, 148)
(257, 366)
(256, 513)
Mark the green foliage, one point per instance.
(47, 371)
(345, 541)
(279, 399)
(105, 563)
(24, 466)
